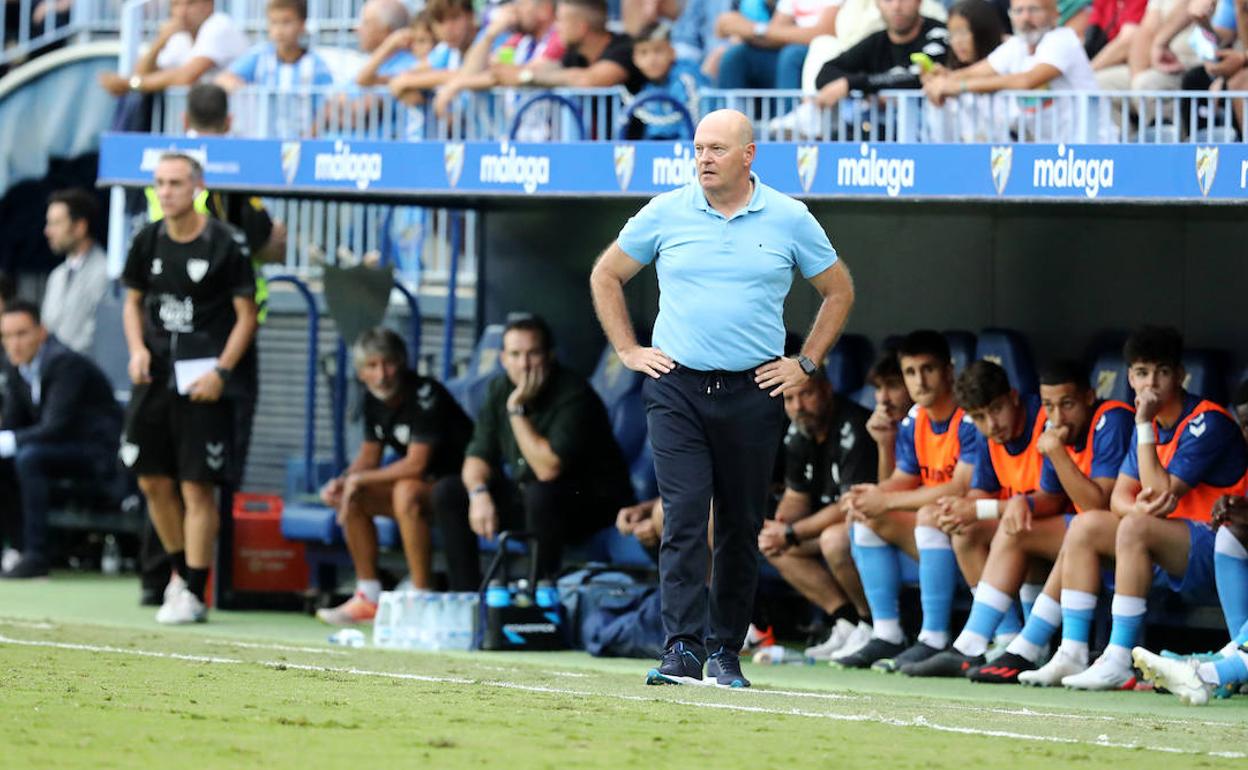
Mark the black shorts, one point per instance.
(170, 435)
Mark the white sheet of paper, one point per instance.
(186, 372)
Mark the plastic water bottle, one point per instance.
(348, 637)
(110, 558)
(547, 594)
(383, 623)
(497, 595)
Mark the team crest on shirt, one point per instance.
(158, 266)
(402, 433)
(379, 433)
(807, 165)
(453, 161)
(847, 437)
(290, 160)
(129, 454)
(1206, 168)
(196, 269)
(625, 159)
(1000, 163)
(424, 396)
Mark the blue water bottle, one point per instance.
(497, 595)
(547, 594)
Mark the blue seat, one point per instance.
(483, 365)
(314, 523)
(1206, 374)
(864, 397)
(620, 390)
(961, 348)
(1109, 377)
(848, 362)
(1010, 351)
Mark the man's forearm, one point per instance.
(1153, 474)
(132, 322)
(475, 473)
(1082, 491)
(536, 449)
(405, 468)
(608, 296)
(147, 62)
(812, 526)
(833, 312)
(240, 338)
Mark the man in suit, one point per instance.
(75, 286)
(59, 419)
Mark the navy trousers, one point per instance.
(715, 436)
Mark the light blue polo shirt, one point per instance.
(722, 281)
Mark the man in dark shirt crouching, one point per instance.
(542, 459)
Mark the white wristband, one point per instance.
(1145, 433)
(986, 510)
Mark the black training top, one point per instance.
(846, 457)
(427, 414)
(876, 63)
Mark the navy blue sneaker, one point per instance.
(725, 668)
(679, 665)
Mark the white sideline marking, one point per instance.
(919, 721)
(278, 647)
(27, 624)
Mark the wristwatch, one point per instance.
(525, 76)
(808, 366)
(790, 535)
(517, 411)
(135, 82)
(760, 29)
(223, 373)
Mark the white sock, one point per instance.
(1076, 651)
(970, 644)
(370, 588)
(1118, 655)
(937, 639)
(1029, 592)
(888, 630)
(1023, 648)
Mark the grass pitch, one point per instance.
(87, 679)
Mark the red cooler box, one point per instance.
(264, 561)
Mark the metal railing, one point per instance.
(1151, 117)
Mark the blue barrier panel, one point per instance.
(637, 169)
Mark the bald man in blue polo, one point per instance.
(725, 249)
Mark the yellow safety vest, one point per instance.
(155, 214)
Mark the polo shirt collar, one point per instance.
(757, 201)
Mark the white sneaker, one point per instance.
(9, 559)
(1106, 673)
(1178, 676)
(802, 122)
(841, 631)
(182, 608)
(1051, 674)
(856, 641)
(176, 586)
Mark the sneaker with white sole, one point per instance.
(9, 559)
(358, 609)
(758, 638)
(1051, 674)
(856, 641)
(1178, 676)
(181, 609)
(176, 586)
(1107, 673)
(842, 630)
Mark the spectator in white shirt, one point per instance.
(195, 41)
(1040, 56)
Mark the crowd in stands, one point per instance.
(830, 50)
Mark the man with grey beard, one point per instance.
(1041, 54)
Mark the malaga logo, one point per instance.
(507, 167)
(1068, 172)
(869, 170)
(676, 171)
(342, 165)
